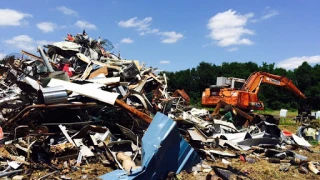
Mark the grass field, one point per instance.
(289, 120)
(290, 114)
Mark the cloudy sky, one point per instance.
(172, 35)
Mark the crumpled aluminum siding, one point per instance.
(163, 150)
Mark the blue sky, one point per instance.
(172, 35)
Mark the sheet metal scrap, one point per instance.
(163, 150)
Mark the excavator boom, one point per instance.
(253, 83)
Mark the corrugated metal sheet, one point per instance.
(163, 150)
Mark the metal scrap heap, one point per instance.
(77, 111)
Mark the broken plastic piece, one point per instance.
(301, 141)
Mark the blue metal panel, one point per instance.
(163, 150)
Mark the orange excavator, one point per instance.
(246, 97)
(242, 94)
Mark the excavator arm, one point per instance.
(254, 81)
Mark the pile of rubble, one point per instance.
(79, 111)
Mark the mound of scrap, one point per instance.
(78, 111)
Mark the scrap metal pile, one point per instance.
(79, 111)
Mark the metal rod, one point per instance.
(9, 173)
(47, 175)
(45, 59)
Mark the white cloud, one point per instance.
(270, 14)
(143, 26)
(85, 25)
(21, 42)
(24, 42)
(171, 37)
(67, 11)
(164, 62)
(46, 26)
(228, 28)
(207, 44)
(10, 17)
(2, 56)
(267, 14)
(126, 41)
(233, 49)
(134, 22)
(295, 62)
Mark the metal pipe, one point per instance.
(55, 97)
(45, 59)
(2, 174)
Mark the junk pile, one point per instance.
(79, 111)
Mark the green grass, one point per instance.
(290, 113)
(287, 121)
(283, 121)
(314, 142)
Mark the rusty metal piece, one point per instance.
(217, 109)
(102, 70)
(181, 93)
(60, 148)
(43, 106)
(31, 55)
(5, 154)
(134, 111)
(41, 130)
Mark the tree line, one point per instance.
(305, 77)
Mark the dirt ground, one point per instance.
(92, 171)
